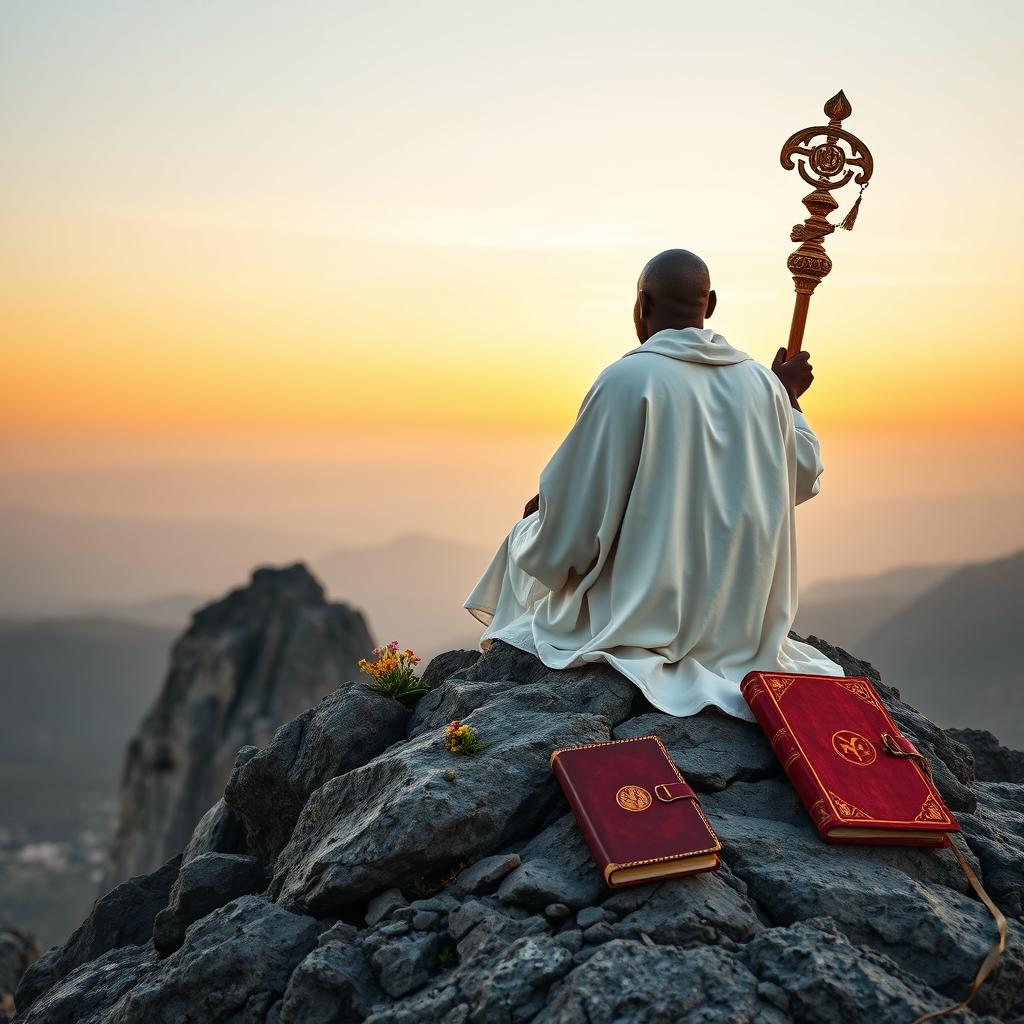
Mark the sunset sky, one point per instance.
(351, 268)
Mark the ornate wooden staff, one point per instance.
(826, 166)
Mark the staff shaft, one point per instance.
(796, 328)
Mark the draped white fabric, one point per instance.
(664, 543)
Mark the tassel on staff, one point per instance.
(851, 218)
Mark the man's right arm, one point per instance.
(796, 376)
(808, 458)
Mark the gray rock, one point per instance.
(812, 971)
(247, 663)
(508, 988)
(600, 932)
(425, 920)
(234, 964)
(631, 981)
(443, 902)
(333, 985)
(487, 872)
(89, 993)
(556, 912)
(774, 994)
(514, 987)
(18, 951)
(992, 761)
(588, 916)
(503, 670)
(693, 911)
(447, 664)
(340, 933)
(903, 903)
(557, 868)
(995, 834)
(403, 965)
(711, 748)
(632, 897)
(205, 883)
(345, 730)
(384, 904)
(123, 917)
(396, 818)
(220, 830)
(482, 928)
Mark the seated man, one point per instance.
(662, 540)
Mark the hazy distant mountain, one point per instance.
(77, 687)
(845, 611)
(55, 564)
(172, 610)
(157, 571)
(410, 589)
(955, 650)
(72, 692)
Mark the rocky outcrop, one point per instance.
(992, 761)
(402, 883)
(123, 917)
(18, 951)
(248, 663)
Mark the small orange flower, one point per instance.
(393, 671)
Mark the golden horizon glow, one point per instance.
(238, 231)
(147, 348)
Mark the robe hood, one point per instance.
(692, 345)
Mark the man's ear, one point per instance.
(712, 302)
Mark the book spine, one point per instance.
(793, 762)
(586, 826)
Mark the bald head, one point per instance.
(674, 290)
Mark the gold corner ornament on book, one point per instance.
(861, 780)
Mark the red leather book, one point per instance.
(638, 816)
(859, 778)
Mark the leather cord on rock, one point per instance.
(990, 961)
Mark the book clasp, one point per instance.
(667, 792)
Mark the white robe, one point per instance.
(665, 540)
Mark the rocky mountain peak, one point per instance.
(269, 591)
(356, 870)
(246, 664)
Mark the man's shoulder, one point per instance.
(634, 366)
(621, 374)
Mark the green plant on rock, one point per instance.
(422, 887)
(393, 673)
(447, 956)
(462, 739)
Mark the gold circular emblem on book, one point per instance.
(633, 798)
(853, 747)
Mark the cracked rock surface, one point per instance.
(380, 878)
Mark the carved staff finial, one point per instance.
(827, 165)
